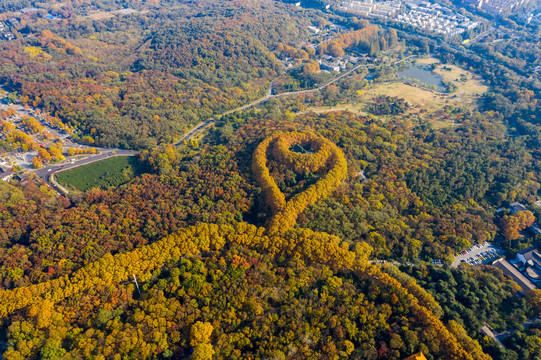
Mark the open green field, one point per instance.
(103, 174)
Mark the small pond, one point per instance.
(423, 74)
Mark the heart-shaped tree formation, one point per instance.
(311, 247)
(327, 157)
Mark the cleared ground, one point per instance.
(417, 97)
(103, 174)
(100, 15)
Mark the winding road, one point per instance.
(45, 173)
(209, 122)
(51, 169)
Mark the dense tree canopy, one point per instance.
(261, 239)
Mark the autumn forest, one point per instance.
(321, 222)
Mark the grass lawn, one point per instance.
(469, 88)
(100, 15)
(414, 95)
(468, 84)
(103, 174)
(427, 61)
(438, 124)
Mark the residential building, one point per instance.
(516, 207)
(29, 10)
(14, 22)
(426, 15)
(497, 7)
(535, 229)
(513, 273)
(314, 29)
(530, 257)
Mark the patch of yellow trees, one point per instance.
(326, 157)
(304, 244)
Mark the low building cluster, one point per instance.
(331, 63)
(15, 21)
(513, 273)
(326, 62)
(4, 33)
(530, 263)
(322, 35)
(525, 269)
(422, 14)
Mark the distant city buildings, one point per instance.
(372, 8)
(436, 18)
(497, 7)
(422, 14)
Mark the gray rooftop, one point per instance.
(510, 271)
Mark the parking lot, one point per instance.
(478, 254)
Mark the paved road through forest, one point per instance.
(45, 172)
(205, 124)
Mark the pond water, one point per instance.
(423, 74)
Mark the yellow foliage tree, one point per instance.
(203, 352)
(44, 155)
(200, 333)
(36, 162)
(514, 223)
(326, 156)
(534, 298)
